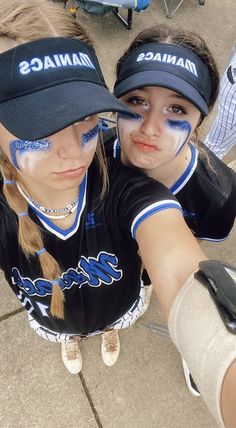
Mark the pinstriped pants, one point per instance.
(222, 136)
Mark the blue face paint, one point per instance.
(136, 117)
(127, 124)
(180, 129)
(90, 135)
(24, 146)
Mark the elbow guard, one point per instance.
(204, 338)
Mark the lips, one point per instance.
(72, 173)
(144, 145)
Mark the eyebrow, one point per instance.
(182, 97)
(175, 95)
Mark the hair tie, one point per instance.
(40, 251)
(5, 181)
(54, 281)
(23, 214)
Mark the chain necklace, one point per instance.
(69, 209)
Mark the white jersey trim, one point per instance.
(185, 177)
(116, 149)
(212, 239)
(66, 234)
(150, 210)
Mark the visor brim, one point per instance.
(165, 80)
(45, 112)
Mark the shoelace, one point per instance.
(72, 350)
(110, 341)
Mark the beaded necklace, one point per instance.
(67, 210)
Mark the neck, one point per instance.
(50, 198)
(169, 173)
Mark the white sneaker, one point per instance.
(189, 380)
(71, 355)
(110, 347)
(148, 294)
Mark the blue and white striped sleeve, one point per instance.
(134, 197)
(150, 210)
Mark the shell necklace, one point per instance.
(67, 210)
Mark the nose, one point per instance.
(68, 143)
(151, 124)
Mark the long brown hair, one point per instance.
(22, 21)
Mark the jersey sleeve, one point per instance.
(134, 197)
(217, 202)
(219, 220)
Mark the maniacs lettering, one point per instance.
(169, 59)
(91, 271)
(55, 61)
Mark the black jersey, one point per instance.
(206, 191)
(98, 253)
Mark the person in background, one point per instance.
(222, 135)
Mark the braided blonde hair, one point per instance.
(22, 21)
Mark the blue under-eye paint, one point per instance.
(136, 116)
(127, 124)
(91, 134)
(180, 129)
(25, 146)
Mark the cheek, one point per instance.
(126, 126)
(29, 161)
(25, 155)
(89, 139)
(179, 131)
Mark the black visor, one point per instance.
(169, 66)
(48, 84)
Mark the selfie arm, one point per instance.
(195, 325)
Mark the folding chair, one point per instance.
(114, 5)
(171, 11)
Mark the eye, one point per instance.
(177, 109)
(138, 101)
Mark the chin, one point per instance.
(67, 184)
(144, 163)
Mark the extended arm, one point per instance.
(169, 252)
(171, 255)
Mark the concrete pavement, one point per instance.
(145, 389)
